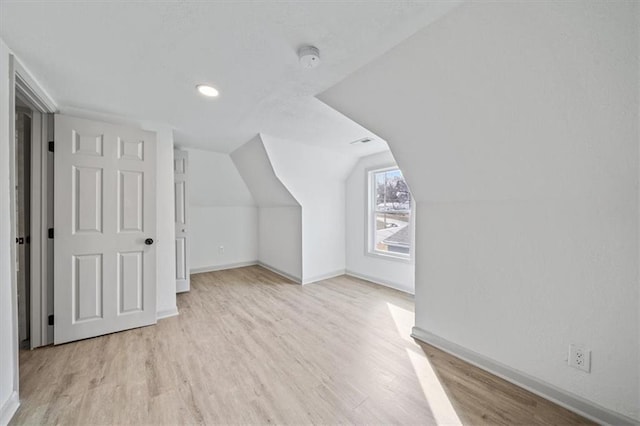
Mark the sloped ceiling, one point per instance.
(143, 59)
(254, 165)
(215, 181)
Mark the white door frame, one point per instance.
(41, 247)
(21, 81)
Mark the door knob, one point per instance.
(148, 241)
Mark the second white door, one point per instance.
(180, 167)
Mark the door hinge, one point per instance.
(50, 319)
(50, 232)
(51, 145)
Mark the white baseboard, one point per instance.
(182, 286)
(324, 276)
(279, 272)
(167, 313)
(375, 280)
(9, 408)
(204, 269)
(214, 268)
(561, 397)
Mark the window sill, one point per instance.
(390, 257)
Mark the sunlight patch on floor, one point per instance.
(441, 408)
(404, 319)
(438, 401)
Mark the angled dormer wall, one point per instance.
(516, 126)
(279, 213)
(316, 178)
(300, 191)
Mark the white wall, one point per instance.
(516, 125)
(222, 213)
(8, 340)
(316, 178)
(279, 240)
(399, 274)
(235, 228)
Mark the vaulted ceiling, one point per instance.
(143, 60)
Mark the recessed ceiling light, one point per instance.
(207, 90)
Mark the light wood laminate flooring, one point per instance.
(250, 347)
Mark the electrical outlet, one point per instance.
(580, 358)
(221, 249)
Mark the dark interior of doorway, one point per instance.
(23, 214)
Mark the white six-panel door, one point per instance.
(104, 210)
(180, 167)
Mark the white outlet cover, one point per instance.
(580, 358)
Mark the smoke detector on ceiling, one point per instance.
(309, 56)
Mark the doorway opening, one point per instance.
(31, 211)
(23, 126)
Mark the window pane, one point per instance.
(392, 192)
(392, 232)
(391, 213)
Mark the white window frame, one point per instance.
(370, 212)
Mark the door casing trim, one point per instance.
(23, 83)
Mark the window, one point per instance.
(389, 213)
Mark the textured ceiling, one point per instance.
(143, 59)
